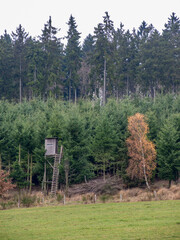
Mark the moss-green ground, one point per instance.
(111, 221)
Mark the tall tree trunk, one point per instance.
(144, 167)
(154, 94)
(66, 166)
(70, 87)
(30, 185)
(145, 176)
(152, 90)
(20, 80)
(44, 178)
(19, 197)
(104, 95)
(28, 168)
(169, 183)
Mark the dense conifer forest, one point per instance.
(110, 63)
(84, 95)
(93, 137)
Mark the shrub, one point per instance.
(6, 205)
(104, 198)
(88, 198)
(84, 199)
(107, 189)
(59, 197)
(28, 200)
(3, 205)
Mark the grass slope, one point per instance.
(140, 220)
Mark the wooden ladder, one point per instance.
(55, 177)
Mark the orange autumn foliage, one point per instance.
(5, 183)
(141, 151)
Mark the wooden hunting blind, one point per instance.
(51, 146)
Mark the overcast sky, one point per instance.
(33, 14)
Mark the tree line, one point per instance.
(110, 63)
(95, 139)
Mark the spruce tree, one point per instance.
(53, 60)
(125, 62)
(104, 144)
(171, 60)
(6, 67)
(76, 165)
(72, 58)
(88, 46)
(168, 149)
(35, 59)
(19, 40)
(150, 68)
(102, 59)
(84, 72)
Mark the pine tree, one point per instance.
(119, 61)
(84, 71)
(76, 148)
(171, 45)
(19, 38)
(144, 31)
(18, 175)
(168, 153)
(150, 68)
(53, 60)
(35, 59)
(103, 56)
(6, 67)
(125, 62)
(7, 143)
(72, 58)
(117, 115)
(104, 144)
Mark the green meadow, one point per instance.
(139, 220)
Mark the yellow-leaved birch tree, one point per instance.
(141, 151)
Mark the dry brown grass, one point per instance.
(124, 195)
(138, 194)
(172, 193)
(131, 195)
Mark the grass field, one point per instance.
(140, 220)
